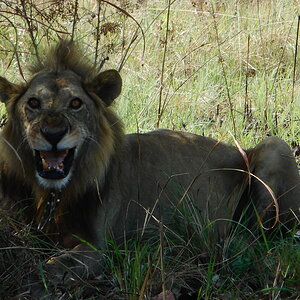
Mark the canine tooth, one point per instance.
(45, 165)
(61, 165)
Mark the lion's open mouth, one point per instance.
(54, 164)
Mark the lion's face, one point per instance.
(54, 110)
(62, 118)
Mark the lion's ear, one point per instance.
(6, 89)
(107, 85)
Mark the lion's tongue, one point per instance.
(53, 159)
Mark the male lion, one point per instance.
(67, 163)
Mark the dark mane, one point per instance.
(66, 55)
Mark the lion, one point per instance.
(67, 163)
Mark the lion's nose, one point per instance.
(53, 136)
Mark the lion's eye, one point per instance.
(34, 103)
(75, 103)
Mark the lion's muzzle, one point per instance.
(56, 161)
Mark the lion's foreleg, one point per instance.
(79, 263)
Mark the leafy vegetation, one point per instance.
(217, 68)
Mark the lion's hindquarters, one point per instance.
(275, 188)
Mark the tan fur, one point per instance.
(119, 180)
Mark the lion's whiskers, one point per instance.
(93, 140)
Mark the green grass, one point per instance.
(244, 265)
(217, 59)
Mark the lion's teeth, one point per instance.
(45, 164)
(61, 165)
